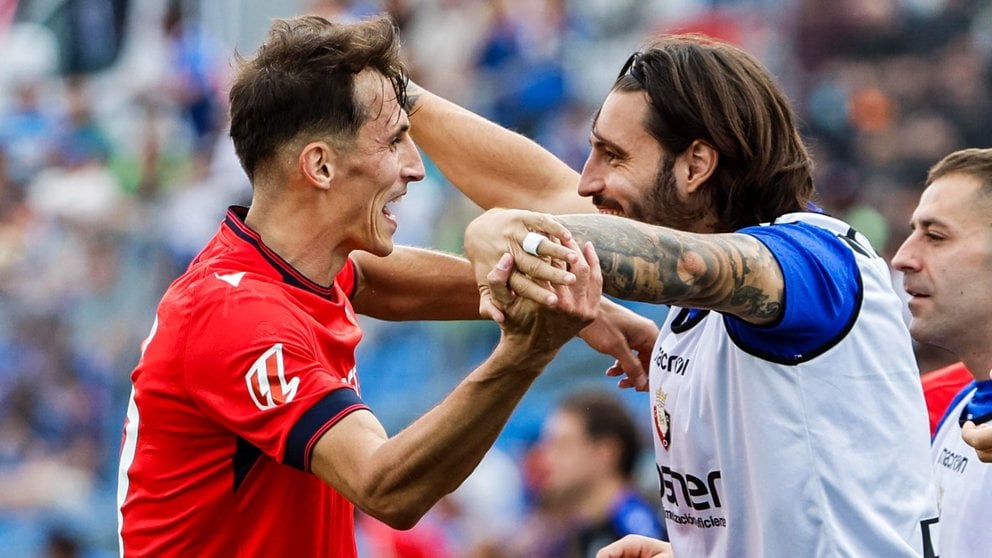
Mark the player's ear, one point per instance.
(702, 159)
(317, 163)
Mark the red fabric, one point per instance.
(939, 388)
(425, 540)
(248, 364)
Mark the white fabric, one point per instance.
(964, 486)
(828, 457)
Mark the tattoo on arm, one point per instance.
(413, 94)
(729, 273)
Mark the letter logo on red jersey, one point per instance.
(266, 380)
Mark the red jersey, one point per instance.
(939, 388)
(248, 363)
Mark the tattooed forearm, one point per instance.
(632, 259)
(729, 273)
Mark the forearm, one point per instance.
(731, 273)
(639, 261)
(493, 166)
(415, 284)
(398, 479)
(406, 475)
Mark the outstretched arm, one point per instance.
(493, 166)
(414, 284)
(730, 273)
(398, 479)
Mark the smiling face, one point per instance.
(947, 265)
(629, 174)
(373, 173)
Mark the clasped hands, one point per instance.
(513, 281)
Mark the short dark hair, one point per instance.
(605, 416)
(301, 81)
(703, 89)
(973, 162)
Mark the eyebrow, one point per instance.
(926, 223)
(610, 144)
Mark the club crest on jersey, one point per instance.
(266, 380)
(662, 420)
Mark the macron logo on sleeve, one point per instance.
(266, 380)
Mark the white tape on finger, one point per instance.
(532, 242)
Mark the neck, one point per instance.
(293, 232)
(979, 363)
(595, 503)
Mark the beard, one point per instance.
(662, 205)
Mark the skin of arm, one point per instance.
(492, 166)
(730, 273)
(415, 284)
(419, 284)
(398, 479)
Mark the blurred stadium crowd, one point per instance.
(115, 167)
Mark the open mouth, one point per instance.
(610, 211)
(916, 294)
(608, 206)
(387, 209)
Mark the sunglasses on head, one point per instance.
(635, 67)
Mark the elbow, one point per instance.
(396, 503)
(397, 515)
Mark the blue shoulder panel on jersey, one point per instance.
(324, 413)
(822, 297)
(979, 409)
(967, 389)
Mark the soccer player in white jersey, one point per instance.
(947, 267)
(785, 401)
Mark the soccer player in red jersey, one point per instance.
(246, 433)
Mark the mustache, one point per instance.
(603, 202)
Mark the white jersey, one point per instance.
(964, 485)
(805, 438)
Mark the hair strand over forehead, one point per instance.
(301, 82)
(703, 89)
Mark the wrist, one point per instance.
(519, 353)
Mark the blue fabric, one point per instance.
(954, 403)
(822, 293)
(632, 515)
(979, 409)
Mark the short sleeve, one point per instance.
(258, 370)
(822, 296)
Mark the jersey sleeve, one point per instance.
(259, 371)
(822, 296)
